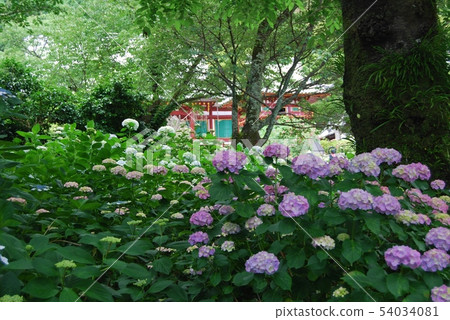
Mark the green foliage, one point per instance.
(56, 254)
(416, 87)
(17, 11)
(112, 102)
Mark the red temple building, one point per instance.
(208, 115)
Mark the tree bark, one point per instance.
(397, 106)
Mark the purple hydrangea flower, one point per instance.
(229, 160)
(280, 189)
(340, 161)
(423, 219)
(438, 204)
(439, 237)
(364, 163)
(434, 260)
(198, 237)
(440, 294)
(389, 156)
(293, 205)
(437, 184)
(230, 228)
(202, 193)
(310, 165)
(180, 168)
(271, 173)
(225, 210)
(252, 223)
(206, 251)
(201, 218)
(402, 255)
(355, 199)
(262, 262)
(276, 150)
(386, 204)
(266, 210)
(159, 170)
(412, 172)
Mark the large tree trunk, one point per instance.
(396, 82)
(250, 131)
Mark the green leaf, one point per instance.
(397, 229)
(355, 279)
(137, 248)
(136, 271)
(277, 246)
(100, 292)
(9, 284)
(245, 210)
(86, 272)
(373, 223)
(295, 258)
(242, 278)
(432, 280)
(287, 226)
(215, 279)
(41, 244)
(42, 288)
(163, 265)
(67, 295)
(21, 264)
(36, 128)
(220, 191)
(177, 294)
(76, 254)
(159, 286)
(397, 284)
(283, 280)
(45, 267)
(333, 217)
(376, 278)
(351, 250)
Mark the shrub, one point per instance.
(165, 234)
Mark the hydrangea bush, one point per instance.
(152, 221)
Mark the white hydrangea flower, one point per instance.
(41, 148)
(112, 136)
(130, 150)
(139, 155)
(130, 124)
(196, 163)
(189, 156)
(121, 162)
(171, 164)
(166, 130)
(163, 163)
(166, 147)
(116, 145)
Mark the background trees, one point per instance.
(277, 46)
